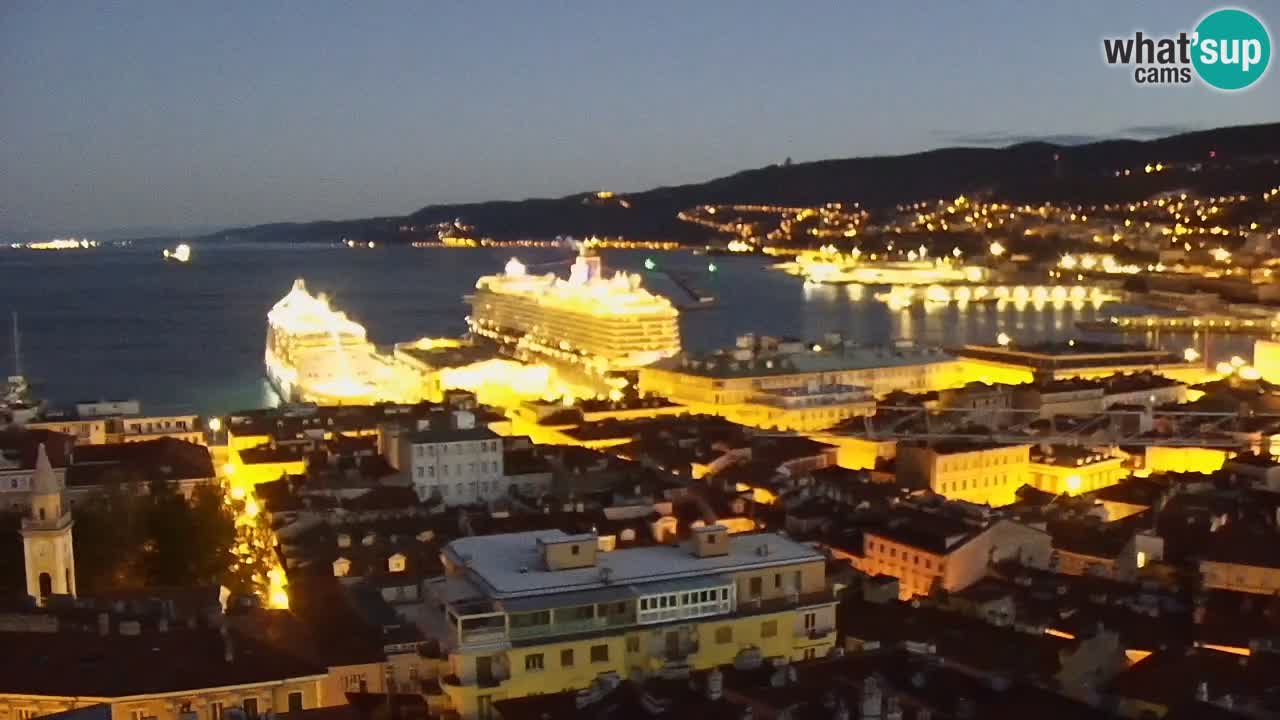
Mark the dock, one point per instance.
(1203, 322)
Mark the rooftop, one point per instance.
(74, 663)
(164, 459)
(510, 566)
(725, 363)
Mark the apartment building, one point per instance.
(544, 611)
(1073, 470)
(980, 473)
(928, 552)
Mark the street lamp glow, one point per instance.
(1190, 355)
(1003, 340)
(214, 424)
(996, 249)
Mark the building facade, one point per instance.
(541, 612)
(460, 466)
(977, 473)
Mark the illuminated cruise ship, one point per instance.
(316, 353)
(599, 323)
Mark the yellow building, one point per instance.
(974, 472)
(780, 384)
(1075, 359)
(542, 612)
(107, 430)
(1074, 470)
(1173, 458)
(252, 466)
(137, 673)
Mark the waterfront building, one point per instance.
(118, 421)
(980, 473)
(589, 321)
(1076, 359)
(791, 385)
(542, 612)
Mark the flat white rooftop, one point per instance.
(508, 566)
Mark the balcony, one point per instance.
(569, 627)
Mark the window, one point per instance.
(777, 580)
(356, 682)
(810, 620)
(251, 707)
(810, 653)
(711, 539)
(599, 653)
(754, 587)
(533, 661)
(295, 701)
(133, 714)
(724, 635)
(215, 711)
(566, 657)
(573, 549)
(28, 713)
(633, 643)
(769, 628)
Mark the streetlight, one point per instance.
(1190, 355)
(1003, 340)
(214, 424)
(996, 249)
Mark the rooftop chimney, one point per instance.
(710, 541)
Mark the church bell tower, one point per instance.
(46, 535)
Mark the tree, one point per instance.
(129, 539)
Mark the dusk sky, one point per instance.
(224, 113)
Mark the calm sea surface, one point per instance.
(124, 323)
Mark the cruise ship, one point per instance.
(596, 323)
(316, 353)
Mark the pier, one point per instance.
(1218, 323)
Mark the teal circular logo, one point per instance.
(1232, 49)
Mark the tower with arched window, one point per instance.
(46, 535)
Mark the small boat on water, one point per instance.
(17, 403)
(181, 253)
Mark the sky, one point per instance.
(153, 113)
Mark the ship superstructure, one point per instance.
(602, 324)
(317, 353)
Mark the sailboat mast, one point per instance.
(17, 347)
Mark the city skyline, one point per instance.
(231, 115)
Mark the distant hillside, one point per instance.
(1025, 172)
